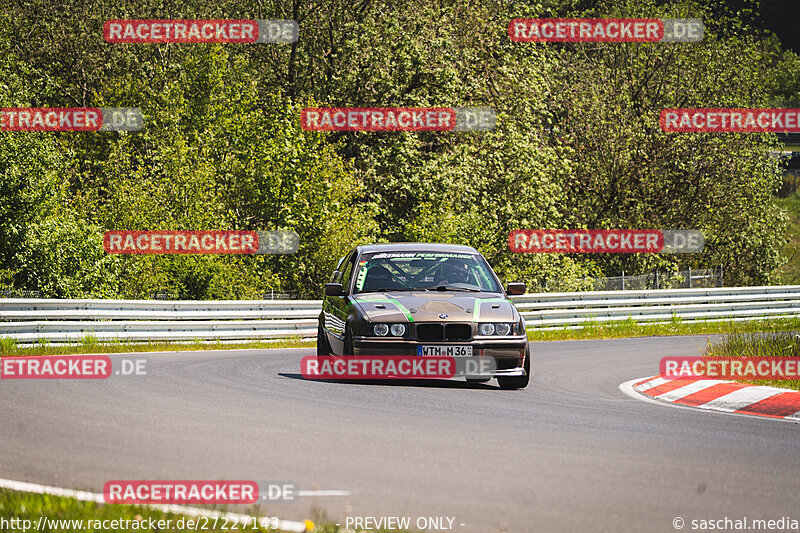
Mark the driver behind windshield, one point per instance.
(455, 272)
(379, 278)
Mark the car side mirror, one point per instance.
(333, 289)
(516, 288)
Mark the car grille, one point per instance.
(457, 332)
(441, 332)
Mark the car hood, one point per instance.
(435, 306)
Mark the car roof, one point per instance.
(416, 247)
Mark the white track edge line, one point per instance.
(35, 488)
(323, 493)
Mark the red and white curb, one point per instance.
(84, 496)
(719, 395)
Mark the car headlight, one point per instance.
(398, 329)
(502, 328)
(381, 330)
(496, 328)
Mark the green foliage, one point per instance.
(628, 173)
(577, 143)
(784, 84)
(790, 274)
(63, 257)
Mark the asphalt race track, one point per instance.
(569, 453)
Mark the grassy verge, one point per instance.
(22, 506)
(92, 345)
(769, 344)
(631, 328)
(26, 506)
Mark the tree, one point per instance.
(630, 174)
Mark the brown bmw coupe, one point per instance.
(426, 300)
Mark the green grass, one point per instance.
(772, 343)
(27, 506)
(90, 344)
(631, 328)
(790, 272)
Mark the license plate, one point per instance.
(444, 351)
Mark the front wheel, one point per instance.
(518, 382)
(348, 342)
(323, 348)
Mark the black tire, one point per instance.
(323, 347)
(518, 382)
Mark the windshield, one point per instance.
(380, 271)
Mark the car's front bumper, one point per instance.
(508, 352)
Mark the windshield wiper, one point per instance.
(387, 290)
(450, 288)
(441, 288)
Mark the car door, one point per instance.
(334, 308)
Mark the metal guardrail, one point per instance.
(557, 310)
(38, 320)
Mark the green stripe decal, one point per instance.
(389, 300)
(402, 309)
